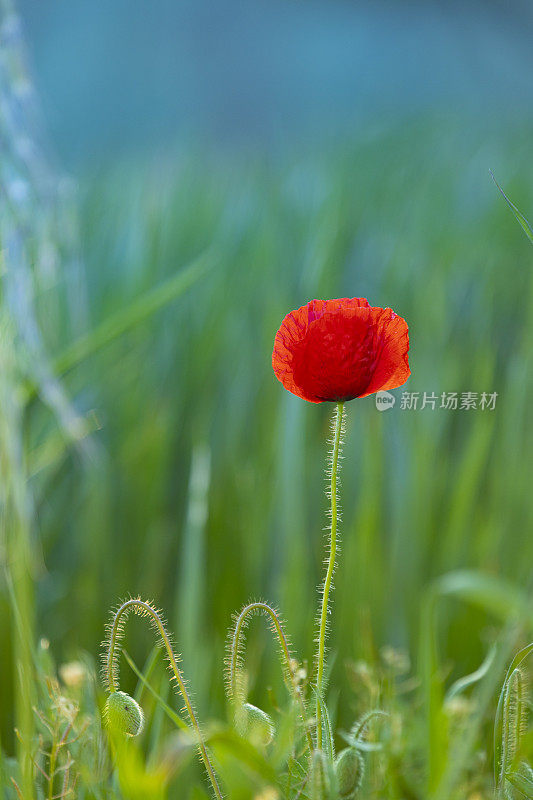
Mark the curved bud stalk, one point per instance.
(359, 728)
(350, 764)
(127, 717)
(235, 689)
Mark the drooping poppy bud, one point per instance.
(255, 724)
(124, 714)
(349, 767)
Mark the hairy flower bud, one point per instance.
(123, 714)
(255, 724)
(349, 771)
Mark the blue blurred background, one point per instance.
(117, 75)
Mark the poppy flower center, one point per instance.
(337, 357)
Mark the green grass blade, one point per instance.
(166, 708)
(228, 742)
(191, 588)
(136, 312)
(469, 680)
(524, 224)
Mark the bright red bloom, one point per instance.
(341, 349)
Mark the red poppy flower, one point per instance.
(341, 349)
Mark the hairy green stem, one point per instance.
(143, 608)
(288, 670)
(339, 411)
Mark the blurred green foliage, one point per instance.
(196, 480)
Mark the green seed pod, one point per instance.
(255, 724)
(123, 714)
(349, 768)
(319, 783)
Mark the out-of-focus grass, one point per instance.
(203, 485)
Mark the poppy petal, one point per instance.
(337, 350)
